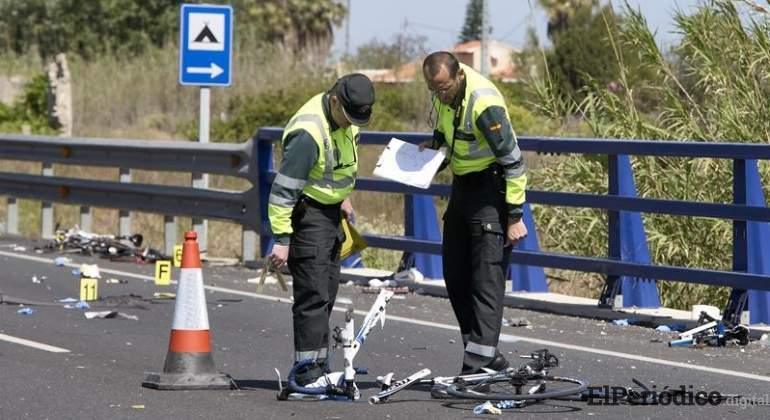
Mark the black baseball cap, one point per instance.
(356, 94)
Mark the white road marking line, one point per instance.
(33, 344)
(503, 337)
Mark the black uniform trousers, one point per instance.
(315, 269)
(475, 261)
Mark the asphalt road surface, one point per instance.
(70, 367)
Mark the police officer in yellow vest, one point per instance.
(483, 219)
(308, 196)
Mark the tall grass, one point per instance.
(713, 87)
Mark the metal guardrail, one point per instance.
(612, 266)
(253, 160)
(237, 160)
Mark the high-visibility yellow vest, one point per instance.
(332, 177)
(334, 174)
(471, 152)
(468, 148)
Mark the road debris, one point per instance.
(109, 315)
(403, 290)
(116, 281)
(486, 408)
(19, 248)
(377, 283)
(411, 275)
(516, 322)
(712, 332)
(38, 279)
(25, 311)
(164, 295)
(61, 261)
(510, 404)
(764, 340)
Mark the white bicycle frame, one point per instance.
(351, 343)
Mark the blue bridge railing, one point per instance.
(627, 266)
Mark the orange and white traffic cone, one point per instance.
(189, 363)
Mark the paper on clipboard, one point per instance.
(404, 162)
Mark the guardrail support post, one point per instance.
(169, 234)
(528, 278)
(639, 292)
(751, 247)
(627, 242)
(12, 217)
(420, 222)
(248, 245)
(86, 221)
(612, 284)
(737, 302)
(758, 235)
(46, 209)
(124, 216)
(264, 165)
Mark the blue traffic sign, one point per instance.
(206, 45)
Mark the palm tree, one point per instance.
(298, 25)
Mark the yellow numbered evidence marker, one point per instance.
(162, 273)
(177, 256)
(89, 282)
(89, 289)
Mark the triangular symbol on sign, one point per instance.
(207, 35)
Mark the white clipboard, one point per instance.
(404, 162)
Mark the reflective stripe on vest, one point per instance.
(475, 151)
(326, 182)
(328, 152)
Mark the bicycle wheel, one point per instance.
(500, 389)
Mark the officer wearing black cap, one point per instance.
(307, 199)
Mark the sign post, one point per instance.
(205, 59)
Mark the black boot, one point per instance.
(308, 374)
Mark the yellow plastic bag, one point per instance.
(354, 242)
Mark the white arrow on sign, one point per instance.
(214, 70)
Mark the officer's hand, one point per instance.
(279, 255)
(347, 209)
(516, 232)
(426, 145)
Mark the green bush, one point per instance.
(29, 110)
(400, 107)
(245, 114)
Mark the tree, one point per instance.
(86, 28)
(128, 27)
(583, 53)
(561, 11)
(298, 25)
(376, 54)
(474, 15)
(714, 91)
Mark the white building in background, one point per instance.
(501, 64)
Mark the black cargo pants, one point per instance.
(315, 269)
(475, 261)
